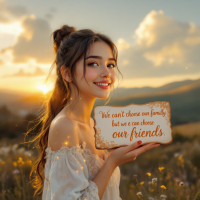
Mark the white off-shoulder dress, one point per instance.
(69, 172)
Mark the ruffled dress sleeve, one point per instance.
(66, 176)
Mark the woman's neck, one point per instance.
(80, 108)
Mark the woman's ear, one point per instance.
(65, 73)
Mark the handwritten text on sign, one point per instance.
(122, 125)
(156, 133)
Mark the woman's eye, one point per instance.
(92, 63)
(112, 65)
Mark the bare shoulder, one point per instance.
(63, 131)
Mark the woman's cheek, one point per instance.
(114, 77)
(91, 75)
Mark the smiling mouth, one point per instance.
(103, 84)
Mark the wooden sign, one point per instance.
(117, 126)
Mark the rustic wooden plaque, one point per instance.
(117, 126)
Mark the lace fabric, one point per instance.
(50, 152)
(69, 173)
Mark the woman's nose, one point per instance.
(105, 72)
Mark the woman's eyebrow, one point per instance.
(99, 57)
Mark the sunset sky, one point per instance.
(158, 41)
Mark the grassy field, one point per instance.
(190, 129)
(169, 172)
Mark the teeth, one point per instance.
(102, 84)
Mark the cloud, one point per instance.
(33, 43)
(49, 16)
(122, 44)
(1, 62)
(51, 13)
(18, 11)
(163, 47)
(11, 13)
(38, 72)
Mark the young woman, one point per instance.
(73, 167)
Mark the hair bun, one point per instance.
(60, 34)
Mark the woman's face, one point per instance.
(97, 70)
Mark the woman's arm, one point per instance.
(103, 176)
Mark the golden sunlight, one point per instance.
(43, 88)
(14, 28)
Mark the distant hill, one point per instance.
(127, 92)
(21, 103)
(183, 96)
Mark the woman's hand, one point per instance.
(121, 155)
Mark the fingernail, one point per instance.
(139, 142)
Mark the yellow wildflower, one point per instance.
(161, 168)
(152, 190)
(142, 183)
(180, 158)
(20, 161)
(15, 164)
(180, 161)
(148, 174)
(163, 187)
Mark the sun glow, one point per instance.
(44, 88)
(14, 28)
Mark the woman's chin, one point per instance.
(103, 97)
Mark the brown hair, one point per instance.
(69, 46)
